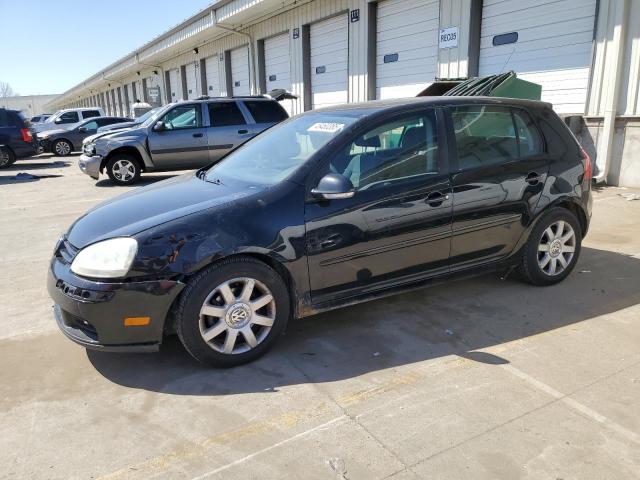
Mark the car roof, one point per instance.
(205, 98)
(374, 106)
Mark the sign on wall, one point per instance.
(153, 94)
(448, 37)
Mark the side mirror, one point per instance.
(159, 127)
(57, 121)
(334, 186)
(83, 130)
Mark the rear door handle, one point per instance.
(243, 131)
(532, 178)
(435, 199)
(197, 135)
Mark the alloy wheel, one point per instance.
(237, 315)
(62, 148)
(556, 248)
(5, 158)
(123, 170)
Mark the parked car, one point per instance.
(68, 118)
(62, 142)
(39, 118)
(330, 208)
(130, 123)
(16, 139)
(182, 136)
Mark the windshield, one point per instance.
(151, 118)
(275, 154)
(143, 118)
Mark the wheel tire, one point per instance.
(532, 258)
(61, 148)
(202, 288)
(114, 170)
(7, 157)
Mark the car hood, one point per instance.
(95, 136)
(147, 207)
(124, 133)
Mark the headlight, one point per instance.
(89, 148)
(106, 259)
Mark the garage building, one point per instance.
(584, 53)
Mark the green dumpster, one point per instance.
(502, 85)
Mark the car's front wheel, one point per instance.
(123, 170)
(61, 148)
(232, 312)
(553, 248)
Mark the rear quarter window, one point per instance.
(266, 112)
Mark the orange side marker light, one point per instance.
(137, 321)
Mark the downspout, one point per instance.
(252, 57)
(605, 150)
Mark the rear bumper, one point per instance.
(90, 165)
(92, 314)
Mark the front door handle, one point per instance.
(197, 135)
(532, 178)
(243, 131)
(435, 199)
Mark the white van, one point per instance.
(68, 118)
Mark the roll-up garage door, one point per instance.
(175, 85)
(277, 66)
(240, 71)
(406, 46)
(330, 61)
(548, 43)
(192, 81)
(213, 76)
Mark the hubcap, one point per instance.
(556, 248)
(63, 148)
(4, 157)
(123, 170)
(237, 315)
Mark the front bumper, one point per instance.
(92, 313)
(90, 165)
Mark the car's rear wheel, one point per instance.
(553, 248)
(61, 148)
(232, 312)
(123, 169)
(7, 157)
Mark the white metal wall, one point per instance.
(277, 66)
(240, 71)
(406, 46)
(192, 81)
(554, 46)
(213, 76)
(175, 84)
(329, 61)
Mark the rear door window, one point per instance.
(224, 114)
(69, 117)
(266, 112)
(485, 136)
(90, 113)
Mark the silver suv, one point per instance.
(183, 136)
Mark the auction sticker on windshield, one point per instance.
(326, 127)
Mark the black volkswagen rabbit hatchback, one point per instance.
(329, 208)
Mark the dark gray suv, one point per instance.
(184, 136)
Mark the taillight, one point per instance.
(26, 135)
(588, 168)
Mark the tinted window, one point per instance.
(35, 119)
(485, 135)
(266, 112)
(3, 117)
(529, 137)
(223, 114)
(69, 117)
(90, 113)
(109, 121)
(17, 120)
(396, 151)
(183, 116)
(92, 125)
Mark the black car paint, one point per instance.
(11, 122)
(74, 135)
(325, 250)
